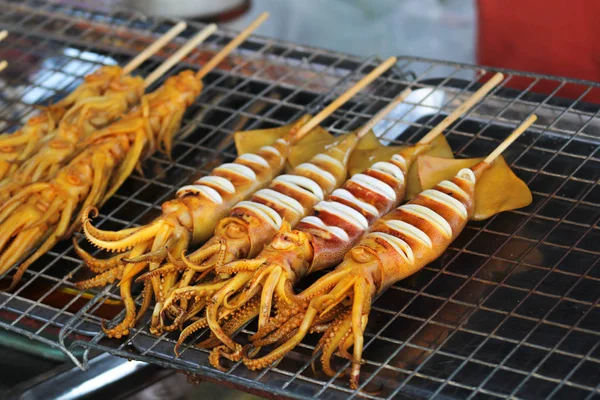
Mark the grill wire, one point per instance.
(510, 309)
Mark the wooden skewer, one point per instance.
(180, 54)
(153, 48)
(3, 34)
(510, 139)
(3, 65)
(383, 112)
(337, 103)
(220, 56)
(463, 108)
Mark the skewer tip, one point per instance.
(510, 139)
(383, 112)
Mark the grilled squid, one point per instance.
(188, 219)
(320, 240)
(19, 146)
(78, 123)
(40, 214)
(251, 224)
(397, 246)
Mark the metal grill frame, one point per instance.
(550, 128)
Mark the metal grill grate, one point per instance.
(510, 309)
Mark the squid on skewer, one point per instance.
(40, 214)
(17, 147)
(194, 215)
(79, 123)
(320, 240)
(35, 215)
(398, 245)
(251, 224)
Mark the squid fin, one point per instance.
(314, 142)
(251, 141)
(498, 189)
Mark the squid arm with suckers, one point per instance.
(40, 214)
(35, 151)
(397, 246)
(320, 240)
(193, 216)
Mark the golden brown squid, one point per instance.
(195, 214)
(79, 122)
(320, 240)
(398, 245)
(22, 144)
(40, 214)
(251, 224)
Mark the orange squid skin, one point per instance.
(18, 146)
(368, 268)
(188, 219)
(291, 255)
(80, 122)
(42, 213)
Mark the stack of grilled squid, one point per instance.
(295, 201)
(253, 234)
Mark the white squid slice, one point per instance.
(409, 230)
(266, 213)
(400, 160)
(237, 169)
(301, 182)
(208, 192)
(389, 169)
(346, 195)
(434, 218)
(447, 200)
(346, 213)
(218, 181)
(374, 185)
(281, 199)
(270, 149)
(398, 244)
(334, 230)
(453, 188)
(254, 159)
(316, 170)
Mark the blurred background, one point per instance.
(555, 37)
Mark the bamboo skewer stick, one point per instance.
(153, 48)
(510, 139)
(463, 108)
(180, 54)
(220, 56)
(341, 100)
(383, 112)
(3, 65)
(3, 34)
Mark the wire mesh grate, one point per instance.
(509, 310)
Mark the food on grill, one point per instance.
(193, 216)
(499, 189)
(251, 224)
(398, 245)
(103, 96)
(80, 122)
(319, 241)
(40, 214)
